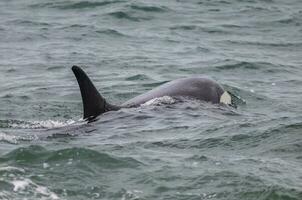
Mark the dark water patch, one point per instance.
(264, 43)
(291, 20)
(149, 8)
(111, 32)
(42, 5)
(284, 129)
(52, 68)
(123, 15)
(24, 97)
(236, 26)
(295, 147)
(199, 29)
(7, 96)
(254, 9)
(214, 30)
(11, 70)
(214, 3)
(200, 158)
(24, 22)
(184, 27)
(239, 65)
(81, 5)
(79, 26)
(214, 10)
(255, 66)
(139, 77)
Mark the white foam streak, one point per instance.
(27, 184)
(12, 169)
(8, 138)
(42, 124)
(20, 184)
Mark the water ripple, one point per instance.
(74, 5)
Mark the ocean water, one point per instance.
(162, 150)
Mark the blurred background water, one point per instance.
(191, 150)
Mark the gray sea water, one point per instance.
(183, 151)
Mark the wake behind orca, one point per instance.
(196, 87)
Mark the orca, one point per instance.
(196, 87)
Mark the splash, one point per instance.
(15, 125)
(8, 138)
(48, 124)
(23, 185)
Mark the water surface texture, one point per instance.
(162, 150)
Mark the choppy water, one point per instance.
(191, 150)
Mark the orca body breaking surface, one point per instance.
(200, 88)
(196, 87)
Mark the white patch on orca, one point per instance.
(226, 98)
(159, 101)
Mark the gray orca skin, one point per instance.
(193, 87)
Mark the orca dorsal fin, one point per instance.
(93, 102)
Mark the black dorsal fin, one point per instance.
(93, 103)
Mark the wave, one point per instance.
(239, 65)
(29, 23)
(12, 137)
(124, 15)
(35, 155)
(138, 77)
(184, 27)
(148, 8)
(263, 66)
(74, 5)
(199, 29)
(18, 184)
(235, 185)
(111, 32)
(263, 44)
(247, 139)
